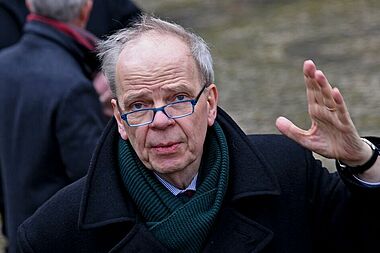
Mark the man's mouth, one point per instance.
(166, 148)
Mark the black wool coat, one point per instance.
(51, 119)
(279, 199)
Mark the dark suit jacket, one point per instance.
(51, 119)
(279, 199)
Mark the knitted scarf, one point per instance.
(181, 227)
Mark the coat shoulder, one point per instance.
(57, 216)
(279, 148)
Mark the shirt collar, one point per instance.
(192, 186)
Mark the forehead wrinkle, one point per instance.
(172, 73)
(154, 75)
(154, 62)
(179, 87)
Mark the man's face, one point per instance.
(151, 72)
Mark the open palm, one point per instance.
(332, 133)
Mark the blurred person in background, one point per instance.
(173, 172)
(50, 111)
(106, 16)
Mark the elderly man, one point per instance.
(50, 114)
(174, 173)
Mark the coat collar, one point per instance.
(105, 200)
(85, 57)
(250, 173)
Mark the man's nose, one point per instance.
(161, 120)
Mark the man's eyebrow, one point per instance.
(177, 88)
(133, 95)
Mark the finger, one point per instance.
(287, 128)
(313, 92)
(325, 89)
(341, 107)
(312, 87)
(295, 133)
(309, 68)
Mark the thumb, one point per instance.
(286, 127)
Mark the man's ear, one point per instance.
(212, 101)
(84, 14)
(120, 121)
(29, 6)
(86, 10)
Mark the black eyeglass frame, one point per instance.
(162, 109)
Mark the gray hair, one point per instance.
(62, 10)
(110, 49)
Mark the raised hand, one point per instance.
(332, 133)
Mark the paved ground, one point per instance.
(259, 47)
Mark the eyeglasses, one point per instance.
(173, 110)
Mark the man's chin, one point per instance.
(162, 169)
(170, 165)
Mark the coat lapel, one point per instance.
(104, 198)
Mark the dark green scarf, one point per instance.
(181, 227)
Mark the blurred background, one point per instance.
(259, 47)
